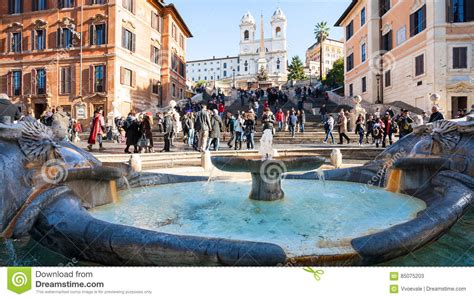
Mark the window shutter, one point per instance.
(449, 11)
(412, 24)
(122, 75)
(33, 81)
(91, 35)
(91, 79)
(59, 38)
(34, 38)
(10, 83)
(389, 40)
(105, 79)
(469, 10)
(134, 41)
(423, 22)
(123, 38)
(73, 79)
(134, 79)
(10, 7)
(34, 5)
(21, 6)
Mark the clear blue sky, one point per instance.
(215, 23)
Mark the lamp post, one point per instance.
(378, 76)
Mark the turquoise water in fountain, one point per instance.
(312, 219)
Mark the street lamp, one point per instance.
(378, 76)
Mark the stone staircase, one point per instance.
(314, 129)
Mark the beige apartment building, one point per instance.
(332, 51)
(407, 50)
(122, 55)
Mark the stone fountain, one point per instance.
(49, 185)
(268, 169)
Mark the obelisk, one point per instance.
(262, 62)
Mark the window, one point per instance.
(64, 38)
(16, 78)
(99, 78)
(16, 42)
(92, 2)
(362, 17)
(460, 11)
(225, 74)
(246, 35)
(129, 5)
(181, 41)
(278, 32)
(127, 77)
(97, 35)
(155, 87)
(278, 63)
(225, 65)
(182, 69)
(246, 64)
(40, 81)
(388, 78)
(460, 58)
(65, 80)
(15, 6)
(174, 32)
(419, 65)
(350, 62)
(418, 21)
(401, 35)
(364, 84)
(155, 21)
(66, 3)
(39, 5)
(128, 40)
(155, 55)
(387, 42)
(173, 90)
(349, 30)
(39, 39)
(384, 6)
(363, 52)
(351, 90)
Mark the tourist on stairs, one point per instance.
(342, 127)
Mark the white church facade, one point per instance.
(255, 53)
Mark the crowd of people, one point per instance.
(205, 126)
(375, 128)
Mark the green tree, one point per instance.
(201, 83)
(321, 32)
(296, 69)
(335, 77)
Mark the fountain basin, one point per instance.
(314, 220)
(267, 174)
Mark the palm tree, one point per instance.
(321, 32)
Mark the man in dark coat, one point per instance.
(132, 133)
(8, 109)
(216, 129)
(203, 126)
(435, 114)
(168, 129)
